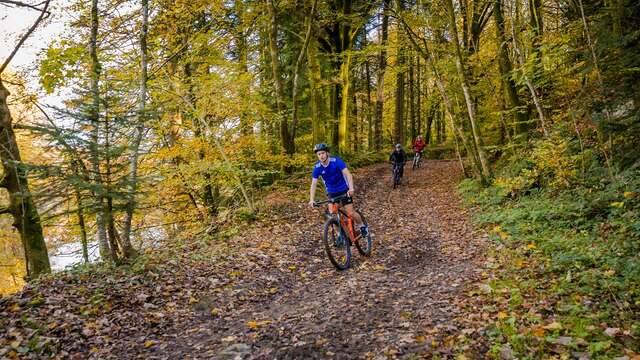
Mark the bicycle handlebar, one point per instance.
(329, 200)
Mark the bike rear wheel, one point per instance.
(364, 244)
(337, 244)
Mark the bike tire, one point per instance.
(337, 244)
(367, 242)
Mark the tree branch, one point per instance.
(25, 36)
(21, 4)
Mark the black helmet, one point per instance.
(320, 147)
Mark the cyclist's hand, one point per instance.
(351, 192)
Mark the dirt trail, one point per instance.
(387, 305)
(269, 292)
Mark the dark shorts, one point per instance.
(343, 201)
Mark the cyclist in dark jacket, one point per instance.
(397, 158)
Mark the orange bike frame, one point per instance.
(333, 209)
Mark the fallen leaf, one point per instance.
(553, 326)
(611, 331)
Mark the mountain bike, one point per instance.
(396, 175)
(339, 234)
(417, 160)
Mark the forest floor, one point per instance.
(270, 292)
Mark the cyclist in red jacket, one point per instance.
(419, 145)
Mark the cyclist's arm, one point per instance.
(349, 178)
(312, 190)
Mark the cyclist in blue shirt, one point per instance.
(338, 181)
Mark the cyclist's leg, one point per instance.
(357, 220)
(348, 208)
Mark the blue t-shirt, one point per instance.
(332, 175)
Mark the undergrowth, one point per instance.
(566, 278)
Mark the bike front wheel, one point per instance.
(364, 243)
(337, 244)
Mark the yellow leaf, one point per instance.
(609, 273)
(94, 350)
(617, 204)
(420, 339)
(192, 300)
(553, 326)
(502, 315)
(531, 246)
(292, 268)
(14, 308)
(252, 325)
(629, 194)
(538, 332)
(149, 343)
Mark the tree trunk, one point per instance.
(94, 116)
(285, 139)
(399, 114)
(355, 122)
(506, 69)
(419, 96)
(133, 163)
(412, 102)
(345, 79)
(296, 74)
(535, 21)
(241, 44)
(336, 92)
(471, 109)
(382, 64)
(80, 213)
(114, 240)
(370, 135)
(21, 206)
(316, 99)
(532, 89)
